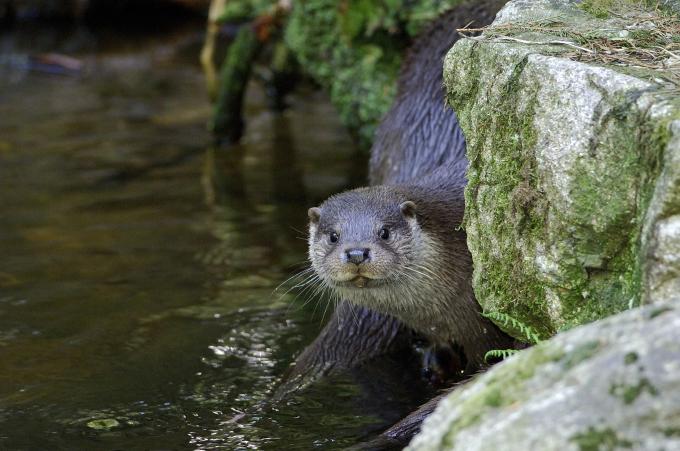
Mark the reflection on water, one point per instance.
(136, 284)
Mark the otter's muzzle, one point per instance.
(357, 256)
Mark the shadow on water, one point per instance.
(137, 286)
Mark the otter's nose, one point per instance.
(357, 256)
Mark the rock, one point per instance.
(573, 201)
(612, 384)
(573, 214)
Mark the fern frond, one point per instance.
(499, 353)
(526, 331)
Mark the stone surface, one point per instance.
(661, 231)
(612, 384)
(574, 192)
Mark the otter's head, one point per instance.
(363, 239)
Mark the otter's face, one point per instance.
(362, 239)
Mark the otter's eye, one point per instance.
(333, 237)
(384, 233)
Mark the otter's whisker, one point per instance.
(419, 271)
(297, 274)
(409, 277)
(310, 286)
(311, 290)
(326, 287)
(427, 276)
(351, 309)
(307, 281)
(317, 293)
(313, 296)
(428, 270)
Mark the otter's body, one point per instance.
(419, 153)
(397, 249)
(418, 156)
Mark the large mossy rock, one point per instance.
(573, 201)
(571, 113)
(613, 384)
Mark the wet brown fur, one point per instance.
(435, 298)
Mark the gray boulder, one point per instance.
(612, 384)
(573, 201)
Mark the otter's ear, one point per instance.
(314, 214)
(408, 209)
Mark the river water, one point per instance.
(138, 300)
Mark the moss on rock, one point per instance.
(354, 48)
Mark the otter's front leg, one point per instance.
(441, 364)
(353, 336)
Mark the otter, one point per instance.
(398, 249)
(394, 252)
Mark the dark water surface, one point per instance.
(138, 265)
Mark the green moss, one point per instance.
(353, 48)
(581, 353)
(598, 8)
(603, 439)
(630, 358)
(671, 432)
(656, 141)
(242, 10)
(659, 311)
(628, 393)
(601, 268)
(227, 120)
(504, 187)
(494, 397)
(358, 73)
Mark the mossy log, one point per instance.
(227, 122)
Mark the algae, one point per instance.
(103, 424)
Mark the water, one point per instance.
(137, 281)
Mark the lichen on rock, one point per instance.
(612, 384)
